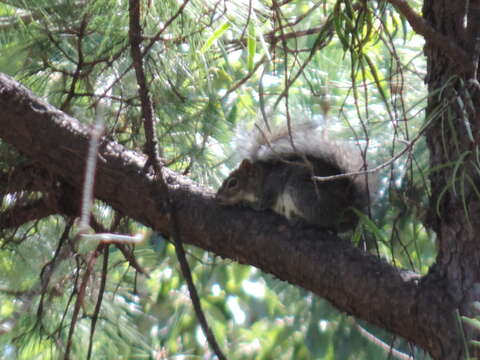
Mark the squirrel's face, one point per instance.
(237, 188)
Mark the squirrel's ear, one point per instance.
(246, 165)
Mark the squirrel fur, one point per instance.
(277, 172)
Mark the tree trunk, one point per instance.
(452, 137)
(422, 310)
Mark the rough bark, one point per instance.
(418, 309)
(453, 138)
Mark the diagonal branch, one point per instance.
(355, 282)
(135, 33)
(20, 214)
(434, 37)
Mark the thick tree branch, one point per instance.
(26, 177)
(355, 282)
(434, 37)
(20, 214)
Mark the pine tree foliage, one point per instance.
(212, 67)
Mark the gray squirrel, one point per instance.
(277, 172)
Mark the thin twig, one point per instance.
(381, 344)
(91, 260)
(98, 305)
(132, 260)
(87, 196)
(322, 40)
(63, 251)
(135, 32)
(377, 168)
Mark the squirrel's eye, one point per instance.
(232, 183)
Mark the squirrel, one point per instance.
(277, 174)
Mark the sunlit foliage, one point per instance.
(213, 67)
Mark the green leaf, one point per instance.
(215, 36)
(252, 46)
(472, 322)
